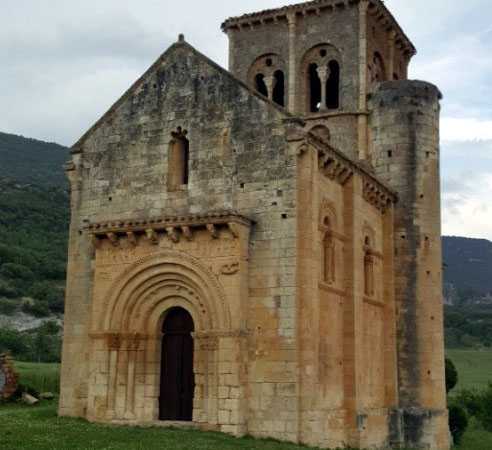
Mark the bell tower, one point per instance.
(320, 60)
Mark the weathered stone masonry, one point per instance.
(291, 208)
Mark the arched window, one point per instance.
(314, 88)
(267, 76)
(260, 85)
(368, 268)
(279, 88)
(178, 158)
(333, 85)
(328, 253)
(320, 78)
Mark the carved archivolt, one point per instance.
(158, 281)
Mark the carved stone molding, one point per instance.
(376, 196)
(230, 269)
(174, 227)
(218, 334)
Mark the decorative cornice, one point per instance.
(301, 10)
(338, 167)
(173, 227)
(375, 196)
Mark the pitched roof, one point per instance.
(315, 5)
(180, 44)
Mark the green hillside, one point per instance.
(28, 161)
(34, 218)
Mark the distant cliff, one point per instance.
(467, 271)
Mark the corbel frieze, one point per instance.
(375, 196)
(173, 227)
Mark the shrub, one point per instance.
(485, 412)
(458, 421)
(451, 375)
(7, 306)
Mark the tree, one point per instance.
(451, 375)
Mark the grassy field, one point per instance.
(39, 427)
(474, 367)
(44, 377)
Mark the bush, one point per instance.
(458, 421)
(477, 403)
(7, 306)
(451, 375)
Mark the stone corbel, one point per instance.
(132, 239)
(187, 233)
(234, 229)
(114, 239)
(152, 236)
(212, 229)
(95, 241)
(173, 234)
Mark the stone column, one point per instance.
(362, 121)
(323, 74)
(292, 64)
(114, 346)
(270, 85)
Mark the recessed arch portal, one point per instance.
(136, 301)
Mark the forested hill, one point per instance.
(28, 161)
(467, 271)
(34, 216)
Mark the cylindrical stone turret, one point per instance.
(405, 155)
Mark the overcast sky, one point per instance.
(64, 62)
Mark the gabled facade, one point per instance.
(258, 251)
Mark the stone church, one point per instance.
(257, 251)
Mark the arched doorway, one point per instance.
(177, 377)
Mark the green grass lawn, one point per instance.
(44, 377)
(474, 367)
(38, 427)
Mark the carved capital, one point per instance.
(114, 341)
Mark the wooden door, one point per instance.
(177, 378)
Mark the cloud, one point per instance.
(465, 129)
(467, 212)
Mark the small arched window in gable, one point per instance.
(178, 158)
(368, 267)
(314, 88)
(260, 85)
(279, 88)
(333, 85)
